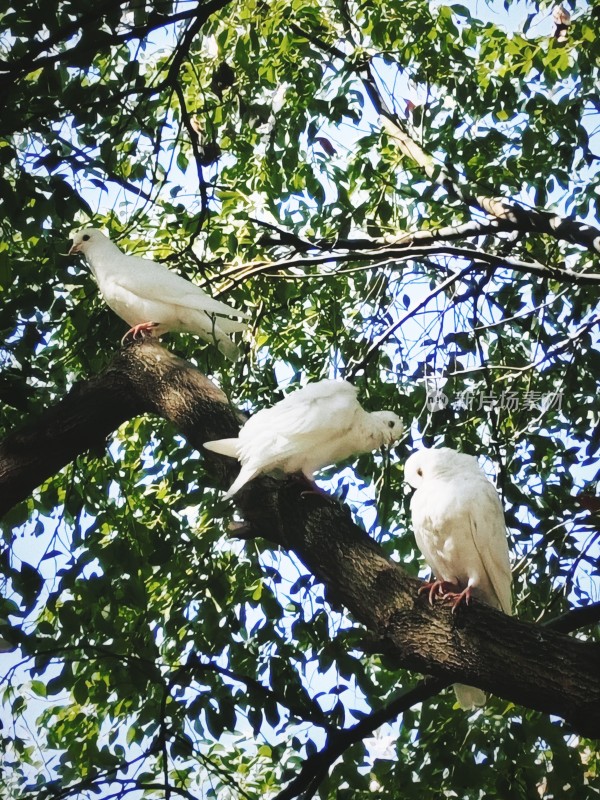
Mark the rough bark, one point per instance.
(141, 378)
(517, 660)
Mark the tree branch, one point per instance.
(140, 379)
(465, 230)
(105, 776)
(13, 70)
(316, 766)
(576, 618)
(354, 369)
(61, 35)
(397, 252)
(92, 165)
(525, 220)
(308, 711)
(517, 660)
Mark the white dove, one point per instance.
(151, 298)
(459, 526)
(320, 424)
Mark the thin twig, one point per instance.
(316, 767)
(353, 369)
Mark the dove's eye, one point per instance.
(420, 472)
(391, 423)
(85, 238)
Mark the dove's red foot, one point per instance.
(456, 598)
(140, 330)
(437, 588)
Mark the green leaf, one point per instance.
(39, 688)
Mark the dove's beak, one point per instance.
(74, 249)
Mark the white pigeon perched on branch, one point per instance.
(154, 300)
(318, 425)
(459, 526)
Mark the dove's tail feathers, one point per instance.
(208, 305)
(213, 329)
(231, 325)
(468, 696)
(230, 447)
(216, 332)
(227, 347)
(225, 447)
(242, 479)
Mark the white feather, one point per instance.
(320, 424)
(140, 290)
(459, 527)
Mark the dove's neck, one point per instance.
(103, 258)
(376, 430)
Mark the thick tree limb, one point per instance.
(140, 379)
(465, 230)
(517, 660)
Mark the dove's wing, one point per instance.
(488, 531)
(303, 422)
(313, 410)
(316, 412)
(153, 281)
